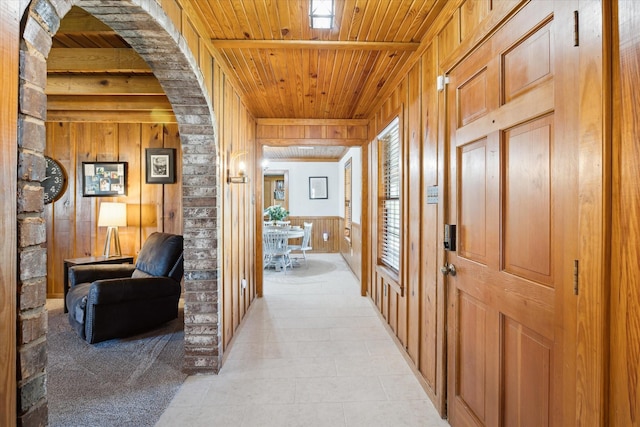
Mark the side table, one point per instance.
(124, 259)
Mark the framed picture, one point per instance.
(104, 179)
(160, 165)
(318, 187)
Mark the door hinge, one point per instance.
(441, 82)
(576, 28)
(575, 277)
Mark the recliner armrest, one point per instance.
(91, 273)
(117, 290)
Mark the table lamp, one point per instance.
(112, 215)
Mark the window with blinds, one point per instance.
(389, 196)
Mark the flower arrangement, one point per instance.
(276, 213)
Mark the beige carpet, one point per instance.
(310, 271)
(311, 353)
(122, 382)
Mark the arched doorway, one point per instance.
(149, 31)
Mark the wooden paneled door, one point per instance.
(512, 196)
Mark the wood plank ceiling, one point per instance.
(304, 153)
(283, 68)
(289, 70)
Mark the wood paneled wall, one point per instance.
(72, 219)
(431, 352)
(624, 399)
(287, 132)
(9, 38)
(237, 143)
(351, 250)
(321, 224)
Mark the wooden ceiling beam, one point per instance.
(111, 116)
(313, 122)
(70, 84)
(302, 159)
(108, 102)
(288, 142)
(314, 44)
(96, 60)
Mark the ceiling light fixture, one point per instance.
(321, 13)
(305, 148)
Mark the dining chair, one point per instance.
(275, 247)
(306, 241)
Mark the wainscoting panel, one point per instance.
(321, 224)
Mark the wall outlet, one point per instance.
(243, 282)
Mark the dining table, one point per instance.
(293, 232)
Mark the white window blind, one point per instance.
(389, 185)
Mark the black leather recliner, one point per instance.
(119, 300)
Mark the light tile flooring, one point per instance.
(311, 352)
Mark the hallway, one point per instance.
(311, 352)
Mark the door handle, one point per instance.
(448, 269)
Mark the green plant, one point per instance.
(276, 213)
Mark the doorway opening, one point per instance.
(290, 177)
(275, 186)
(165, 51)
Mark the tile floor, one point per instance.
(311, 352)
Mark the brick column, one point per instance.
(42, 22)
(200, 212)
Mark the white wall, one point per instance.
(299, 173)
(355, 154)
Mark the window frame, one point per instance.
(390, 185)
(348, 197)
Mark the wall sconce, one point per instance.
(112, 215)
(325, 236)
(241, 177)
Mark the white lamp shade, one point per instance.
(112, 214)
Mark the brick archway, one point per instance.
(145, 26)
